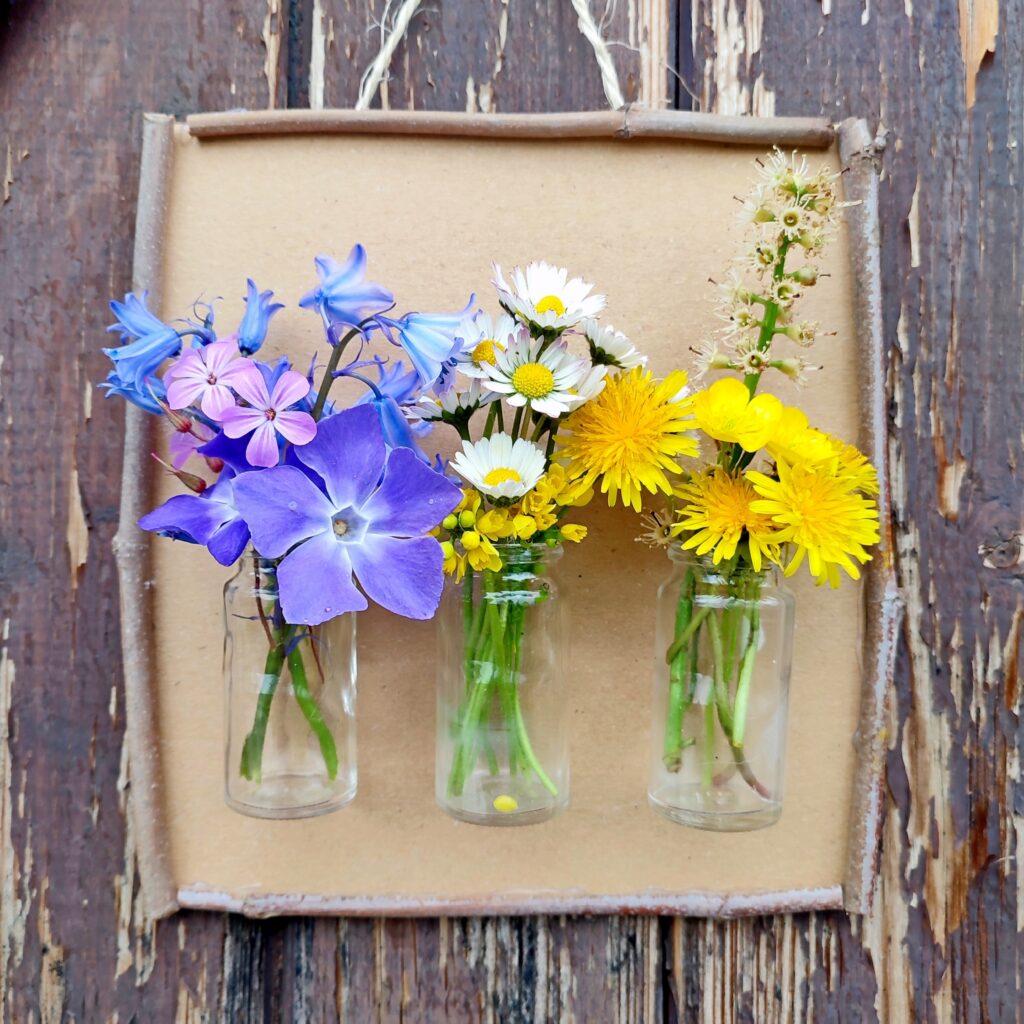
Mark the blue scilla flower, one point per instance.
(258, 310)
(429, 339)
(146, 398)
(148, 341)
(342, 296)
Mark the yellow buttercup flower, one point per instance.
(630, 436)
(495, 524)
(853, 465)
(483, 554)
(822, 515)
(454, 563)
(726, 412)
(572, 531)
(717, 514)
(795, 441)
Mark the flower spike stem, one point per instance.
(730, 622)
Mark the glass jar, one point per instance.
(502, 707)
(290, 703)
(723, 650)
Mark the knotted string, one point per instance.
(374, 74)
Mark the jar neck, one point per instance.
(725, 572)
(524, 555)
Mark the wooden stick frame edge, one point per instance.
(627, 124)
(883, 607)
(131, 552)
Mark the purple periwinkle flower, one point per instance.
(205, 374)
(343, 297)
(210, 519)
(368, 522)
(258, 310)
(268, 414)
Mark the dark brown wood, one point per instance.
(942, 943)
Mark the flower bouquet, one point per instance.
(778, 494)
(526, 375)
(324, 507)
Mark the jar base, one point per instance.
(284, 797)
(716, 819)
(510, 819)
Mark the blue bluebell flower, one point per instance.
(154, 341)
(343, 297)
(258, 311)
(146, 397)
(429, 339)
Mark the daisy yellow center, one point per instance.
(534, 380)
(501, 475)
(551, 304)
(484, 352)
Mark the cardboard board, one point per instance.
(648, 220)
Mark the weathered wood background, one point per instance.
(944, 81)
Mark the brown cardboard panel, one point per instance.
(648, 222)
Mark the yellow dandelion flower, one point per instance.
(630, 436)
(822, 515)
(717, 514)
(795, 441)
(853, 465)
(726, 412)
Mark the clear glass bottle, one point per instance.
(290, 703)
(723, 650)
(502, 755)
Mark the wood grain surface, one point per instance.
(944, 942)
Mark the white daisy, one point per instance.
(590, 387)
(453, 404)
(540, 379)
(546, 298)
(482, 339)
(500, 467)
(609, 347)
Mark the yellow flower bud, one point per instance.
(467, 519)
(450, 521)
(447, 548)
(573, 531)
(471, 540)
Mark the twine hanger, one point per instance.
(374, 74)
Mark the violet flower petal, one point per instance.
(183, 391)
(249, 383)
(412, 499)
(348, 454)
(229, 541)
(282, 507)
(315, 581)
(290, 387)
(403, 575)
(216, 401)
(187, 517)
(294, 426)
(262, 448)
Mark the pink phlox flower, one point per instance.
(268, 414)
(207, 374)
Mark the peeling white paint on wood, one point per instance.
(272, 44)
(78, 529)
(321, 40)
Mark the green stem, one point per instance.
(252, 748)
(672, 754)
(332, 365)
(721, 692)
(708, 762)
(742, 700)
(683, 639)
(311, 711)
